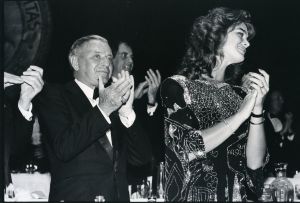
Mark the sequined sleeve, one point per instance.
(187, 143)
(172, 94)
(181, 131)
(255, 178)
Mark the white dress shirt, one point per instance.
(26, 114)
(151, 109)
(127, 121)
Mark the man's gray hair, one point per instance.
(79, 42)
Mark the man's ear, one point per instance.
(74, 62)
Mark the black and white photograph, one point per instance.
(150, 101)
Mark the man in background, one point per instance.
(146, 105)
(18, 116)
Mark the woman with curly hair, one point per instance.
(214, 132)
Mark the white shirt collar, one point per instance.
(89, 92)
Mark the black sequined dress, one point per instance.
(190, 173)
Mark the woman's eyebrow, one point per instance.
(242, 29)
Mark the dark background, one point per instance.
(157, 30)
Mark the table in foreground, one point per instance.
(145, 200)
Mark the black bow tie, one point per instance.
(96, 93)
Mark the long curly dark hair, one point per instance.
(206, 38)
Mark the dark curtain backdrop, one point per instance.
(157, 30)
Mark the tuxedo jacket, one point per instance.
(83, 164)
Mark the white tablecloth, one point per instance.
(30, 187)
(145, 200)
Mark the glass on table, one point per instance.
(99, 198)
(282, 187)
(266, 194)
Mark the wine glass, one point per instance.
(267, 194)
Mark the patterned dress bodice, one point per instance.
(211, 101)
(191, 174)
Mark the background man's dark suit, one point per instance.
(154, 125)
(82, 165)
(17, 131)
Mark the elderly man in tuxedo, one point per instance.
(18, 115)
(90, 139)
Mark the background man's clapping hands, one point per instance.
(31, 84)
(149, 86)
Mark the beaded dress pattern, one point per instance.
(190, 173)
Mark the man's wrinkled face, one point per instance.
(94, 59)
(123, 60)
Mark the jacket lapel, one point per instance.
(116, 134)
(107, 146)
